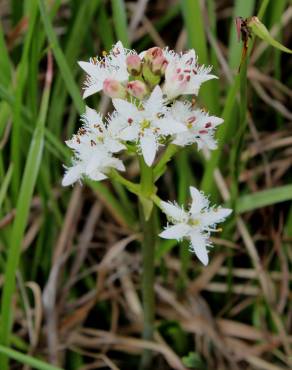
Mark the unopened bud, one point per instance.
(137, 89)
(114, 89)
(159, 65)
(153, 53)
(134, 64)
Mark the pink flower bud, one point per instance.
(153, 53)
(156, 61)
(137, 89)
(134, 64)
(114, 89)
(159, 65)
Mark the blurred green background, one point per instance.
(70, 261)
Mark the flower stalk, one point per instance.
(148, 252)
(147, 220)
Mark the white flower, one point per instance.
(195, 225)
(200, 126)
(113, 67)
(92, 164)
(109, 134)
(147, 124)
(183, 75)
(93, 146)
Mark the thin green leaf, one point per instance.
(193, 18)
(21, 78)
(26, 359)
(22, 210)
(69, 81)
(86, 12)
(5, 64)
(263, 198)
(105, 28)
(5, 184)
(120, 21)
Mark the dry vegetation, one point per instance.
(77, 300)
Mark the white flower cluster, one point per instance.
(196, 224)
(148, 93)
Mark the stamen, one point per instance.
(81, 131)
(219, 230)
(190, 61)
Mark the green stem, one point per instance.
(148, 248)
(147, 219)
(146, 178)
(131, 186)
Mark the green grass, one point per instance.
(30, 174)
(34, 122)
(26, 360)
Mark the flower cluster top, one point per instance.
(148, 93)
(152, 94)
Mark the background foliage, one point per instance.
(70, 261)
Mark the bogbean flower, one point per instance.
(112, 67)
(194, 224)
(183, 74)
(107, 134)
(93, 146)
(200, 126)
(146, 124)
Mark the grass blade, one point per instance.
(263, 198)
(22, 72)
(26, 360)
(85, 13)
(61, 61)
(193, 17)
(23, 203)
(5, 64)
(5, 184)
(120, 22)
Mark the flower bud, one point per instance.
(152, 54)
(134, 64)
(114, 89)
(137, 89)
(159, 65)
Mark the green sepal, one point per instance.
(151, 78)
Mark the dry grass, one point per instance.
(78, 304)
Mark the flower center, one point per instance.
(190, 122)
(194, 222)
(145, 124)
